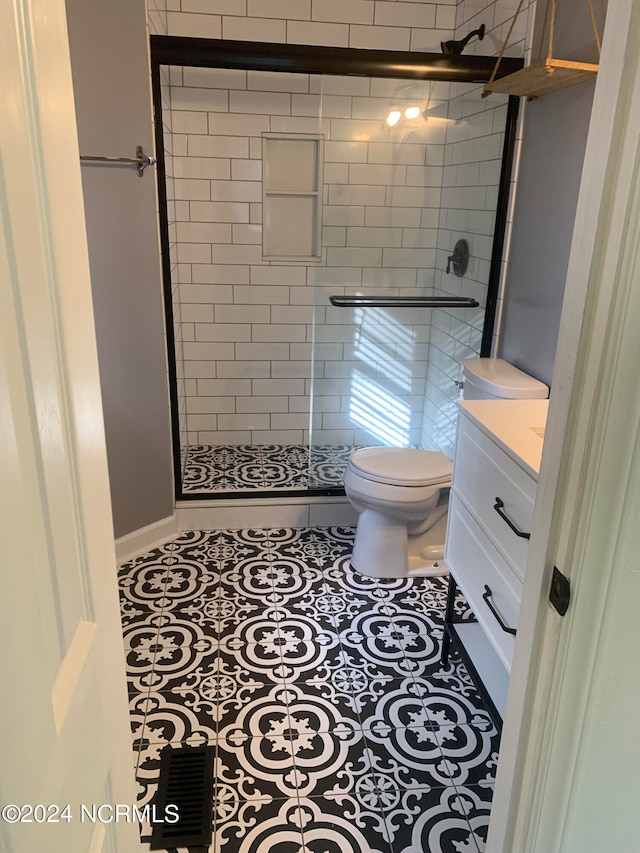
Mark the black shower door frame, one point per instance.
(312, 59)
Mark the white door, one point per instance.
(64, 738)
(569, 770)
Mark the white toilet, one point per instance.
(402, 494)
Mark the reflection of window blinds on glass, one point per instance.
(292, 196)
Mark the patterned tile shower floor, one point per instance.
(336, 728)
(247, 467)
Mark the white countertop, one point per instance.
(516, 425)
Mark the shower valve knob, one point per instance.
(459, 259)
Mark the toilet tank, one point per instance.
(496, 379)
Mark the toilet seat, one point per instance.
(401, 466)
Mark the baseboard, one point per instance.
(143, 540)
(263, 513)
(234, 515)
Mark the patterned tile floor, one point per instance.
(336, 728)
(248, 467)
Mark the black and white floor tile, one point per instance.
(247, 467)
(335, 725)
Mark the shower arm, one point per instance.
(479, 33)
(455, 47)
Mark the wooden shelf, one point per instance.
(548, 75)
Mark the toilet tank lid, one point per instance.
(498, 377)
(402, 465)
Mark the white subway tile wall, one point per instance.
(247, 319)
(394, 202)
(471, 173)
(157, 17)
(372, 24)
(469, 201)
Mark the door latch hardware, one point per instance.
(560, 593)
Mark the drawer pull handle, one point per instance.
(487, 595)
(499, 508)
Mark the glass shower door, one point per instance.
(397, 170)
(370, 375)
(394, 314)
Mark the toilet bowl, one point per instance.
(402, 494)
(402, 497)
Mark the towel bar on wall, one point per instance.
(404, 302)
(141, 159)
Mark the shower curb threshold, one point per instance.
(312, 511)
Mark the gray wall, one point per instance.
(108, 43)
(554, 141)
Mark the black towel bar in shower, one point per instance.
(403, 302)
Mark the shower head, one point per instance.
(455, 48)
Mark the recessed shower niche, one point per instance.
(307, 223)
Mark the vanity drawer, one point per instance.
(475, 564)
(483, 473)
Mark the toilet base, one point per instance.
(382, 548)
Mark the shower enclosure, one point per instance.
(308, 220)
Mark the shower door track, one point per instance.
(312, 59)
(316, 59)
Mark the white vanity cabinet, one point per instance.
(493, 491)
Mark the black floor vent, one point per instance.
(185, 785)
